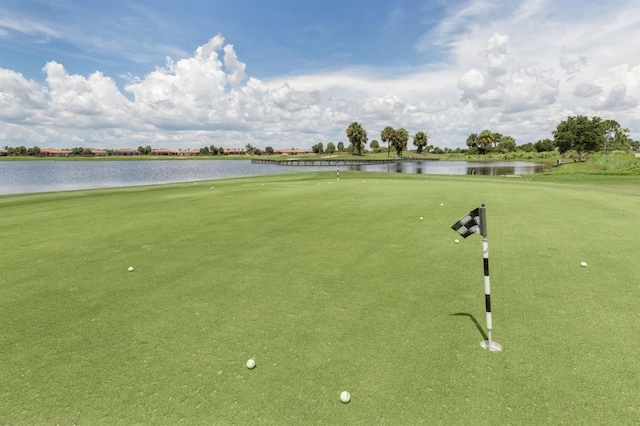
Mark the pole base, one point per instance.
(491, 345)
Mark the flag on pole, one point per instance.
(476, 222)
(469, 224)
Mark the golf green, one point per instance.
(330, 286)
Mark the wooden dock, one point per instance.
(338, 162)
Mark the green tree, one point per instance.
(35, 151)
(400, 140)
(340, 146)
(251, 150)
(420, 140)
(507, 144)
(527, 147)
(357, 136)
(386, 136)
(497, 137)
(374, 144)
(204, 150)
(331, 148)
(318, 148)
(580, 134)
(472, 143)
(615, 137)
(544, 145)
(269, 150)
(485, 141)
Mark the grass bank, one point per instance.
(616, 163)
(328, 286)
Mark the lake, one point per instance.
(17, 177)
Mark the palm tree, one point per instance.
(420, 140)
(485, 140)
(357, 136)
(387, 135)
(472, 141)
(400, 141)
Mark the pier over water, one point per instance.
(338, 162)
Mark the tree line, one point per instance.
(394, 138)
(579, 134)
(142, 150)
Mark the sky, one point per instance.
(293, 73)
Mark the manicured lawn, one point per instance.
(329, 286)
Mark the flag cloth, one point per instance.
(468, 225)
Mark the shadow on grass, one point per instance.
(475, 322)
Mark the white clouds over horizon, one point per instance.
(520, 72)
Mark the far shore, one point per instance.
(545, 157)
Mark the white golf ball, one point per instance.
(583, 264)
(457, 241)
(251, 364)
(420, 217)
(130, 268)
(441, 204)
(345, 397)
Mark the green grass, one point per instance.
(329, 286)
(615, 163)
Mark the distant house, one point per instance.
(233, 151)
(164, 151)
(54, 152)
(190, 152)
(3, 153)
(98, 152)
(126, 151)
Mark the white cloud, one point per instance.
(587, 90)
(20, 99)
(616, 100)
(572, 67)
(27, 26)
(508, 82)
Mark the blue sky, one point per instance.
(289, 73)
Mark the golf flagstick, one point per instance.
(488, 344)
(472, 223)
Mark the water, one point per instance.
(18, 177)
(458, 168)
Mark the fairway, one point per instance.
(329, 286)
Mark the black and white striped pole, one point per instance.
(475, 222)
(488, 344)
(338, 171)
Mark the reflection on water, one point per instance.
(41, 176)
(457, 168)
